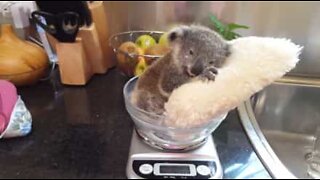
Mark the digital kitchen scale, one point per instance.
(150, 163)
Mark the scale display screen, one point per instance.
(165, 169)
(168, 169)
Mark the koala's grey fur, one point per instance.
(196, 52)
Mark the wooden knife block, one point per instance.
(80, 60)
(90, 54)
(99, 17)
(74, 65)
(93, 49)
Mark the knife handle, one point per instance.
(40, 16)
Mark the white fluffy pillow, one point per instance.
(254, 63)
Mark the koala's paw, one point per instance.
(209, 74)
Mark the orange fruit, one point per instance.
(156, 50)
(127, 63)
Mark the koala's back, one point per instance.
(148, 94)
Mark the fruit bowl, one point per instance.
(127, 62)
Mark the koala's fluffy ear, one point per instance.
(176, 34)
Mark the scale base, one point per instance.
(146, 162)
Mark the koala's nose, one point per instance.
(197, 68)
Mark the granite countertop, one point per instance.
(85, 132)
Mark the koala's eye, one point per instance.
(191, 52)
(211, 62)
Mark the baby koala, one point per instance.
(196, 53)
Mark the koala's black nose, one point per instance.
(197, 68)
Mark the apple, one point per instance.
(164, 40)
(140, 67)
(156, 50)
(145, 41)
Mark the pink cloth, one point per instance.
(2, 118)
(8, 98)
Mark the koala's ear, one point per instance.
(175, 34)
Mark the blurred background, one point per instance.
(296, 20)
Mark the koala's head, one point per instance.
(195, 47)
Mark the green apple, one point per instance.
(145, 41)
(164, 40)
(140, 67)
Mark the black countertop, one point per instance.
(85, 132)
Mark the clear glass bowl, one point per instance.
(152, 129)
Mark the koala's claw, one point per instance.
(209, 76)
(210, 73)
